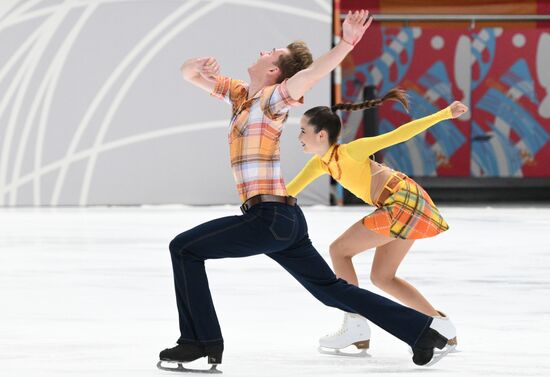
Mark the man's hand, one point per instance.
(355, 25)
(206, 67)
(458, 108)
(209, 69)
(201, 72)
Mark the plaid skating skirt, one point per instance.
(407, 213)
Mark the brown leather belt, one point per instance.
(266, 198)
(389, 187)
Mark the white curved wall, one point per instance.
(93, 109)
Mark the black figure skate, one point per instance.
(185, 353)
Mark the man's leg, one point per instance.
(256, 232)
(310, 269)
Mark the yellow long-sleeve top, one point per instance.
(350, 164)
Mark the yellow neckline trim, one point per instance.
(326, 156)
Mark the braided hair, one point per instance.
(325, 118)
(395, 94)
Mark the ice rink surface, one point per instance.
(89, 292)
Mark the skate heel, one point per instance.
(440, 341)
(215, 358)
(362, 345)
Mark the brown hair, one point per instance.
(325, 118)
(299, 58)
(395, 94)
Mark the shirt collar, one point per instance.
(256, 95)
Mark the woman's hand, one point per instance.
(458, 108)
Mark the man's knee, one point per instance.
(174, 246)
(179, 244)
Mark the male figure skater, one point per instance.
(271, 222)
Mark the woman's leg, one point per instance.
(306, 265)
(389, 254)
(387, 259)
(353, 241)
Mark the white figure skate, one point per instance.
(443, 325)
(355, 331)
(444, 330)
(452, 342)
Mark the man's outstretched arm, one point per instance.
(201, 72)
(354, 27)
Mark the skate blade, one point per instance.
(447, 349)
(180, 368)
(337, 352)
(438, 356)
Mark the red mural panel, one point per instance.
(497, 71)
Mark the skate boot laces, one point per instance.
(344, 328)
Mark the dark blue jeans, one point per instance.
(280, 232)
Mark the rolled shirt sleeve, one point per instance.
(229, 90)
(280, 102)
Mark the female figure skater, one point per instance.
(404, 211)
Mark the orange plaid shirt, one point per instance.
(254, 131)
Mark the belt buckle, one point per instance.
(244, 208)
